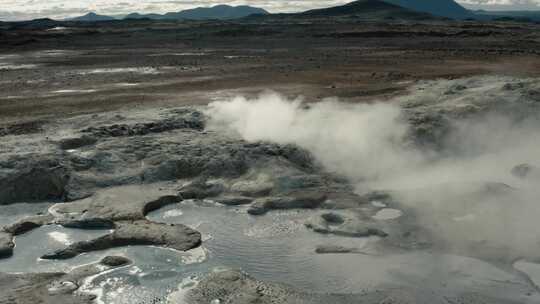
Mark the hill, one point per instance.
(205, 13)
(443, 8)
(361, 9)
(92, 17)
(512, 15)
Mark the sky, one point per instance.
(59, 9)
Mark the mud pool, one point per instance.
(275, 248)
(281, 209)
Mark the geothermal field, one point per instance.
(270, 160)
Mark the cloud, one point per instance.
(28, 9)
(502, 4)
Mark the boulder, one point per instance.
(344, 224)
(295, 200)
(33, 181)
(76, 142)
(6, 245)
(29, 223)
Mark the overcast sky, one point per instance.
(29, 9)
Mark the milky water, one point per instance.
(11, 213)
(388, 214)
(276, 247)
(45, 240)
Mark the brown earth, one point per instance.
(177, 63)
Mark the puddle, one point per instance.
(388, 214)
(60, 237)
(70, 91)
(378, 204)
(127, 84)
(136, 70)
(10, 214)
(179, 54)
(276, 247)
(44, 240)
(172, 213)
(6, 66)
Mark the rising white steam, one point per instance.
(360, 141)
(465, 191)
(371, 143)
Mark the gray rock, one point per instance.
(200, 190)
(53, 288)
(344, 224)
(332, 249)
(296, 200)
(141, 232)
(333, 218)
(87, 223)
(6, 245)
(76, 142)
(252, 187)
(124, 203)
(29, 223)
(298, 182)
(236, 287)
(22, 128)
(115, 261)
(231, 200)
(33, 181)
(117, 130)
(123, 209)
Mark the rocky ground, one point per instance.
(108, 130)
(54, 287)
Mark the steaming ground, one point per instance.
(446, 152)
(429, 197)
(486, 128)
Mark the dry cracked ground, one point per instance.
(131, 171)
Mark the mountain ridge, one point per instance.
(92, 17)
(442, 8)
(367, 8)
(221, 11)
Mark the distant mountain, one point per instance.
(43, 23)
(443, 8)
(92, 17)
(367, 8)
(205, 13)
(512, 15)
(360, 10)
(143, 16)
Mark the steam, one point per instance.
(464, 191)
(359, 141)
(371, 143)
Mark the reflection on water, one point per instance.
(276, 247)
(32, 245)
(10, 214)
